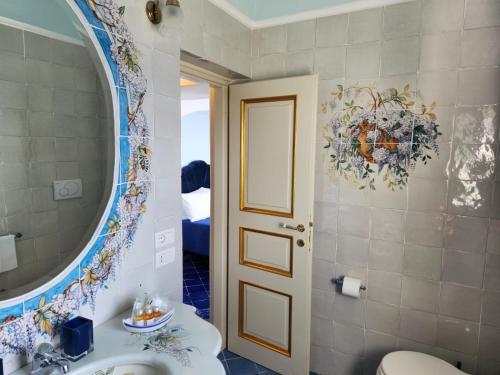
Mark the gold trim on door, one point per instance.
(243, 153)
(260, 266)
(241, 301)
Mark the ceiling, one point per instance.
(265, 13)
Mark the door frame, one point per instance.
(219, 168)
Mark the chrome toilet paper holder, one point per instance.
(340, 281)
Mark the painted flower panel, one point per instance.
(379, 133)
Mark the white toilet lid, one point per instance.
(414, 363)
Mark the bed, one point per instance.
(195, 234)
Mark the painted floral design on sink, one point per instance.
(169, 340)
(108, 371)
(379, 133)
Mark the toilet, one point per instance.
(414, 363)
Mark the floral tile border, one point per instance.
(23, 325)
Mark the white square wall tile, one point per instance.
(166, 71)
(354, 220)
(384, 287)
(480, 47)
(482, 13)
(331, 31)
(387, 225)
(400, 56)
(352, 251)
(460, 302)
(424, 229)
(469, 198)
(442, 15)
(440, 51)
(476, 124)
(365, 26)
(422, 262)
(301, 35)
(325, 246)
(463, 268)
(402, 20)
(363, 60)
(427, 195)
(272, 40)
(325, 217)
(420, 294)
(467, 233)
(385, 256)
(479, 86)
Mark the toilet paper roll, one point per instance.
(351, 287)
(8, 257)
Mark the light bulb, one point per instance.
(173, 15)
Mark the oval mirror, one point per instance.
(56, 142)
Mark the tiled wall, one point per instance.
(136, 272)
(429, 253)
(52, 128)
(212, 34)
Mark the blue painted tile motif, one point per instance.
(40, 316)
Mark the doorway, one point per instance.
(261, 199)
(208, 270)
(195, 189)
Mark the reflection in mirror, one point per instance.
(56, 142)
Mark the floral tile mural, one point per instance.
(38, 318)
(12, 337)
(378, 133)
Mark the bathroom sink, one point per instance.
(128, 369)
(143, 364)
(188, 345)
(115, 366)
(136, 369)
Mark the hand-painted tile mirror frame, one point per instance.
(36, 316)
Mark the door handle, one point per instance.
(299, 228)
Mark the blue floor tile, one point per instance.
(193, 282)
(264, 370)
(229, 355)
(196, 283)
(202, 304)
(242, 366)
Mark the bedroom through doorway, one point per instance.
(196, 194)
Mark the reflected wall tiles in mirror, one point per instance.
(25, 321)
(44, 140)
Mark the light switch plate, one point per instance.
(67, 189)
(165, 257)
(164, 238)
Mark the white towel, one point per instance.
(8, 257)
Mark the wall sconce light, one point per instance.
(172, 9)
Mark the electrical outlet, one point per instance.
(164, 238)
(165, 257)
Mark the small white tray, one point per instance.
(153, 326)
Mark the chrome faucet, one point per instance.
(46, 360)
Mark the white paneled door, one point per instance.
(271, 185)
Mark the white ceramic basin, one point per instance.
(131, 369)
(117, 352)
(126, 365)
